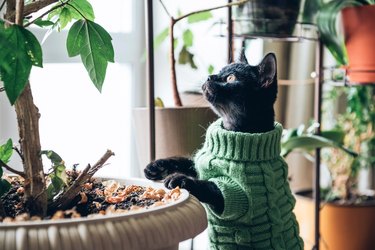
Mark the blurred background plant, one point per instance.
(356, 117)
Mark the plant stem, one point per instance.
(65, 199)
(30, 8)
(210, 9)
(172, 60)
(2, 5)
(4, 165)
(45, 13)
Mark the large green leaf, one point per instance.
(6, 151)
(202, 16)
(19, 50)
(310, 142)
(93, 44)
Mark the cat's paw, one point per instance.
(156, 170)
(179, 180)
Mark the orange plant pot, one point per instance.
(342, 227)
(359, 35)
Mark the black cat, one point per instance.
(239, 172)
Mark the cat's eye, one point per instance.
(231, 78)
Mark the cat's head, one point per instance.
(241, 90)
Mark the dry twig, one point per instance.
(64, 200)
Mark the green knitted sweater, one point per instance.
(252, 177)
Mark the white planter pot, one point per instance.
(155, 228)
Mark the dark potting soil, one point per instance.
(95, 197)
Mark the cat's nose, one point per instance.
(211, 78)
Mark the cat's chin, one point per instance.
(209, 95)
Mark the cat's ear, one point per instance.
(242, 57)
(267, 70)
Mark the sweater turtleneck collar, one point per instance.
(243, 146)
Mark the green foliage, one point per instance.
(74, 10)
(160, 38)
(210, 69)
(188, 37)
(57, 176)
(19, 51)
(310, 9)
(43, 23)
(4, 186)
(199, 17)
(93, 44)
(297, 138)
(6, 151)
(185, 55)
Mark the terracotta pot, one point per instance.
(179, 131)
(343, 227)
(359, 34)
(155, 228)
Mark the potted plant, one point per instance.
(39, 193)
(344, 206)
(179, 129)
(350, 47)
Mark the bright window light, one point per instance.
(77, 121)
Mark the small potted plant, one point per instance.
(351, 47)
(179, 129)
(348, 147)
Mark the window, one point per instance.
(76, 120)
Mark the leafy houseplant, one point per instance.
(358, 123)
(185, 56)
(19, 52)
(179, 130)
(350, 48)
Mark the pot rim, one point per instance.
(301, 194)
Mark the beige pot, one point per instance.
(155, 228)
(342, 227)
(179, 131)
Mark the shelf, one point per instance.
(340, 76)
(262, 29)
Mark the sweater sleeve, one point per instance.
(236, 203)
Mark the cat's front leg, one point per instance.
(159, 169)
(204, 191)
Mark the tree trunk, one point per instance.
(28, 128)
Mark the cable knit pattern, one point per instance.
(252, 177)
